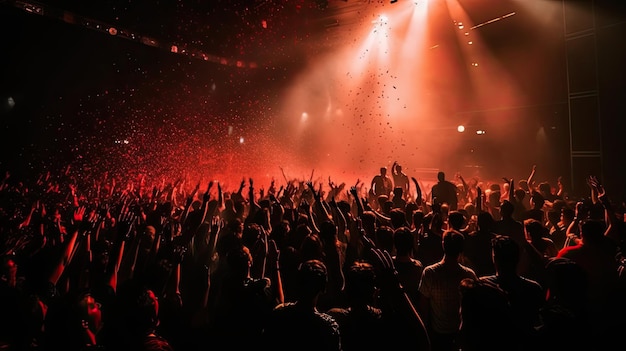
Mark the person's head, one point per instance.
(418, 218)
(470, 208)
(312, 278)
(360, 283)
(398, 218)
(383, 171)
(452, 242)
(89, 311)
(485, 222)
(251, 233)
(566, 281)
(403, 241)
(544, 188)
(523, 184)
(506, 209)
(537, 201)
(139, 307)
(554, 216)
(505, 254)
(456, 220)
(567, 214)
(494, 198)
(534, 229)
(398, 192)
(384, 238)
(312, 247)
(382, 200)
(235, 226)
(441, 176)
(592, 231)
(239, 261)
(9, 268)
(399, 168)
(486, 316)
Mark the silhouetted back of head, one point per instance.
(565, 281)
(545, 188)
(239, 261)
(384, 238)
(312, 278)
(397, 217)
(506, 253)
(568, 214)
(592, 231)
(507, 209)
(403, 240)
(537, 200)
(534, 228)
(441, 176)
(456, 220)
(452, 242)
(485, 221)
(360, 283)
(398, 191)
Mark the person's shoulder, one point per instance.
(531, 283)
(489, 278)
(156, 343)
(470, 272)
(568, 251)
(417, 263)
(284, 306)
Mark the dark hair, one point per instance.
(360, 281)
(453, 242)
(592, 231)
(534, 228)
(507, 208)
(506, 252)
(456, 219)
(485, 221)
(397, 217)
(312, 278)
(239, 260)
(403, 240)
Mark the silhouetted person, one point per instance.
(444, 191)
(439, 293)
(299, 325)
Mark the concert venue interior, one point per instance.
(266, 88)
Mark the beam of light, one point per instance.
(493, 20)
(371, 95)
(482, 66)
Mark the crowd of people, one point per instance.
(147, 264)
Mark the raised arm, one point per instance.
(418, 192)
(400, 305)
(612, 230)
(511, 184)
(68, 250)
(530, 180)
(189, 202)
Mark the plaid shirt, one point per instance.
(440, 284)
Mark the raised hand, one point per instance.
(126, 224)
(386, 271)
(217, 224)
(596, 185)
